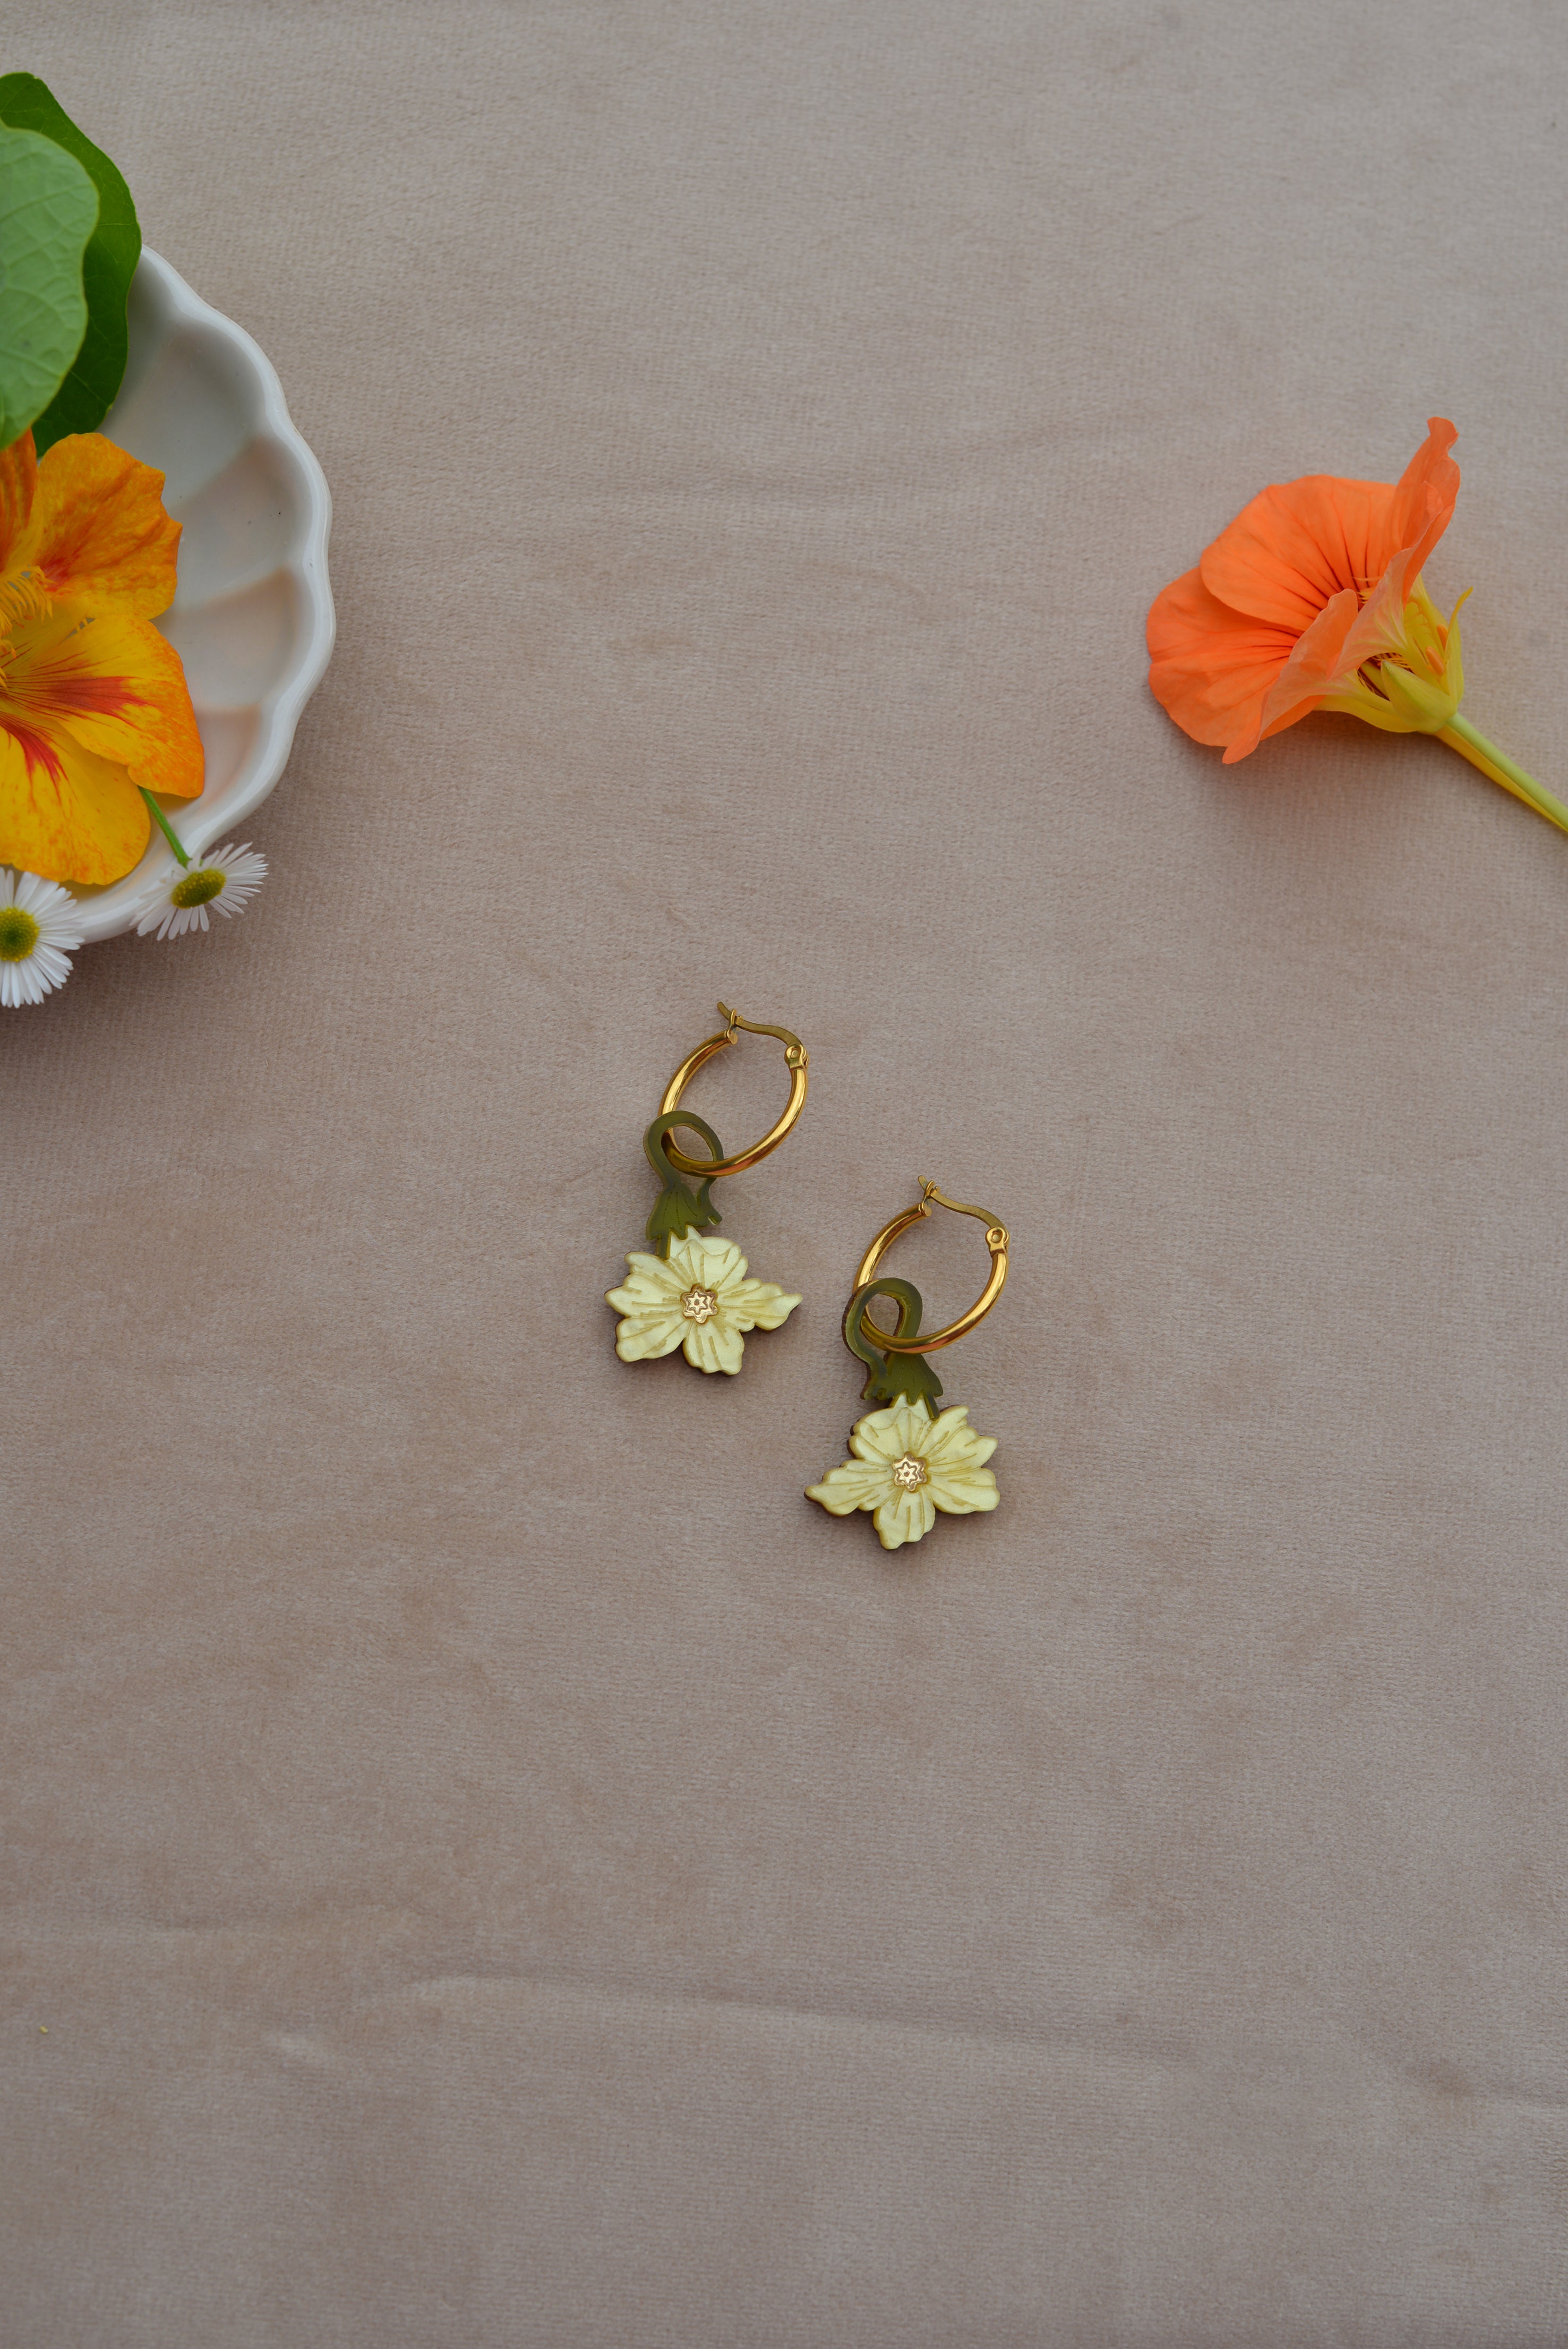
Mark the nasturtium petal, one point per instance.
(48, 206)
(96, 531)
(18, 487)
(112, 686)
(88, 390)
(81, 820)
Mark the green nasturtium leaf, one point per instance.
(47, 208)
(89, 390)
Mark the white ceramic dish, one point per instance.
(251, 618)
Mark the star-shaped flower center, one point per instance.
(700, 1305)
(911, 1473)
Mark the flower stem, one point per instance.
(161, 821)
(1461, 736)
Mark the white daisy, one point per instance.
(223, 884)
(907, 1465)
(700, 1298)
(40, 926)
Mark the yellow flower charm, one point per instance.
(907, 1465)
(699, 1298)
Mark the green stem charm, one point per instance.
(892, 1375)
(676, 1210)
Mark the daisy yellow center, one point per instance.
(700, 1305)
(911, 1473)
(199, 888)
(18, 934)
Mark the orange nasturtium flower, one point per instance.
(1312, 599)
(93, 703)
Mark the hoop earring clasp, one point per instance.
(795, 1060)
(996, 1240)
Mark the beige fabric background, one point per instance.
(496, 1866)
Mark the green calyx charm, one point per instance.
(677, 1210)
(892, 1375)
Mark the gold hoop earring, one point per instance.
(910, 1458)
(693, 1291)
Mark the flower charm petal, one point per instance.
(225, 883)
(40, 926)
(908, 1465)
(699, 1298)
(93, 701)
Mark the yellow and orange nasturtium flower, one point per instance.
(93, 702)
(1313, 599)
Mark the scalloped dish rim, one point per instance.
(106, 913)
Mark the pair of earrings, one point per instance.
(910, 1457)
